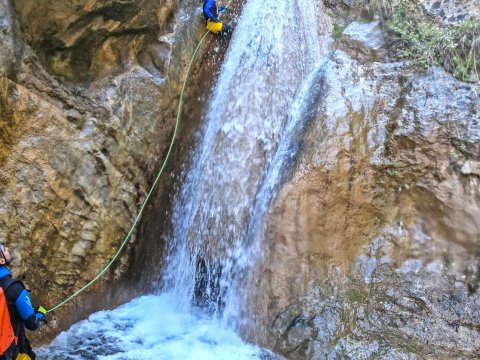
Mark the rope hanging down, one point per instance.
(147, 198)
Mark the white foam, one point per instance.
(150, 327)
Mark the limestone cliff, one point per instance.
(372, 247)
(88, 94)
(379, 224)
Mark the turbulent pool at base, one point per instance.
(131, 332)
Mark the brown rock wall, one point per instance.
(85, 123)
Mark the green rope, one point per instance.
(139, 215)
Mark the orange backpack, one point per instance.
(6, 331)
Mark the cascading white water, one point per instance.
(257, 105)
(274, 49)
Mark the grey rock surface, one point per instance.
(453, 11)
(383, 250)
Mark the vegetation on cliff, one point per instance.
(419, 35)
(427, 41)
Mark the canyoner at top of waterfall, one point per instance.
(212, 12)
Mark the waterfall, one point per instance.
(256, 115)
(275, 48)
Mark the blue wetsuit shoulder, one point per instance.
(208, 6)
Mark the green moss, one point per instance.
(357, 296)
(338, 30)
(393, 172)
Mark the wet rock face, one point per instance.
(363, 41)
(374, 244)
(77, 160)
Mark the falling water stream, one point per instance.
(255, 111)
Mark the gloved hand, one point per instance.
(216, 19)
(41, 310)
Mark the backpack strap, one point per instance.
(6, 284)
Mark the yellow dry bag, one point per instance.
(214, 27)
(23, 357)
